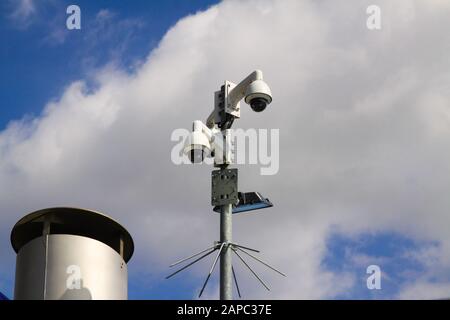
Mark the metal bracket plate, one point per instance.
(234, 110)
(224, 189)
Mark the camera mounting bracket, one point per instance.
(224, 187)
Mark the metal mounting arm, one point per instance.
(238, 92)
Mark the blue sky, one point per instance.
(387, 250)
(36, 65)
(364, 169)
(38, 45)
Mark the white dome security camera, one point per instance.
(198, 143)
(197, 147)
(253, 90)
(201, 143)
(258, 95)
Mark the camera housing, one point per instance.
(258, 95)
(197, 147)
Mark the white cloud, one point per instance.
(24, 8)
(426, 290)
(363, 137)
(22, 12)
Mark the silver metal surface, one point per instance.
(226, 274)
(47, 274)
(76, 221)
(70, 253)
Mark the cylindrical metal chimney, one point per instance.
(70, 253)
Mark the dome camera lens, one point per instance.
(258, 104)
(197, 155)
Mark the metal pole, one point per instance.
(45, 233)
(226, 273)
